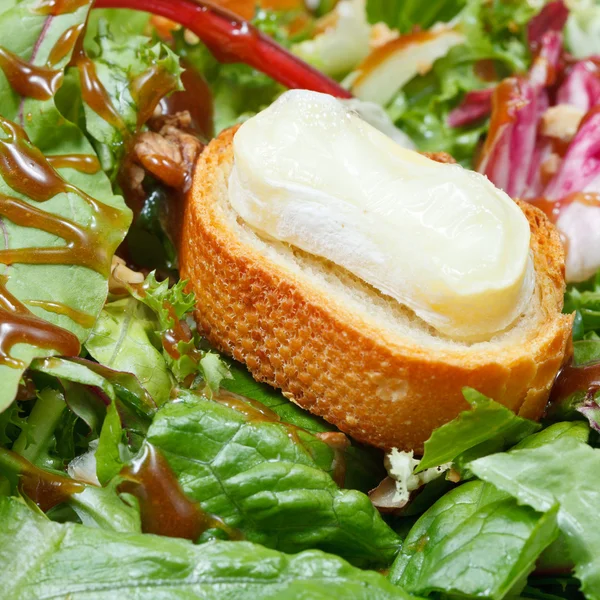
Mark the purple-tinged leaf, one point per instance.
(581, 164)
(581, 87)
(476, 105)
(551, 18)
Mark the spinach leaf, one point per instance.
(364, 465)
(244, 384)
(69, 296)
(563, 473)
(474, 541)
(255, 476)
(487, 428)
(567, 429)
(82, 563)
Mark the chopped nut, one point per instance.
(121, 274)
(562, 121)
(161, 157)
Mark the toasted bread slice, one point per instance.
(341, 349)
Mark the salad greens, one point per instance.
(142, 434)
(78, 562)
(70, 296)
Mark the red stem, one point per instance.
(233, 40)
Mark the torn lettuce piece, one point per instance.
(124, 338)
(271, 481)
(582, 31)
(488, 427)
(564, 474)
(84, 563)
(476, 541)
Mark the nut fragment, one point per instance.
(562, 121)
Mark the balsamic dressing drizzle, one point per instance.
(165, 509)
(25, 169)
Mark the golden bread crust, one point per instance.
(381, 391)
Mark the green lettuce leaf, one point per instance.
(120, 62)
(577, 430)
(487, 428)
(82, 563)
(563, 473)
(495, 33)
(364, 465)
(122, 24)
(40, 287)
(475, 541)
(405, 14)
(124, 338)
(268, 481)
(582, 32)
(94, 506)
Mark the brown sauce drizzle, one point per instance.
(59, 308)
(165, 509)
(149, 88)
(571, 379)
(25, 169)
(39, 83)
(19, 326)
(45, 489)
(54, 8)
(94, 93)
(84, 163)
(65, 44)
(552, 209)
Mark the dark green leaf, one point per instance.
(81, 563)
(364, 466)
(568, 429)
(405, 14)
(475, 541)
(37, 438)
(487, 428)
(108, 457)
(564, 472)
(244, 384)
(257, 477)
